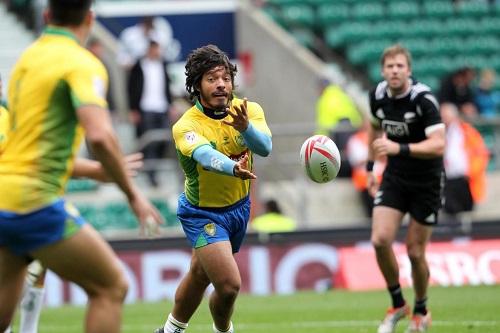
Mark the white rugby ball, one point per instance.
(320, 158)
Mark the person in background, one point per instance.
(95, 46)
(133, 41)
(466, 159)
(215, 140)
(150, 100)
(456, 88)
(357, 155)
(486, 98)
(407, 130)
(273, 219)
(58, 96)
(338, 118)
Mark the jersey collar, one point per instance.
(211, 113)
(53, 30)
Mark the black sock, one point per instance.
(420, 306)
(396, 296)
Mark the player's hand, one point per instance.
(241, 169)
(149, 217)
(133, 163)
(372, 184)
(240, 117)
(385, 147)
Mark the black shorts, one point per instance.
(421, 196)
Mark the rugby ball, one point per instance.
(320, 158)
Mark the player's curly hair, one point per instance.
(201, 61)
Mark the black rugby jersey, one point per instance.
(405, 119)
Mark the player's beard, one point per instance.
(220, 107)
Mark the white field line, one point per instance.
(292, 324)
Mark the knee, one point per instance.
(115, 292)
(380, 242)
(416, 253)
(228, 289)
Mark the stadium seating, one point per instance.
(442, 35)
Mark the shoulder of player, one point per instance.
(421, 93)
(378, 92)
(187, 120)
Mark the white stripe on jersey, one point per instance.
(380, 90)
(433, 100)
(433, 128)
(418, 88)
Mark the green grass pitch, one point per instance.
(455, 310)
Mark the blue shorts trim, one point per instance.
(204, 226)
(24, 233)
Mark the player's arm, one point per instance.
(257, 141)
(213, 160)
(434, 144)
(85, 168)
(104, 144)
(431, 147)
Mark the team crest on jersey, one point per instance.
(209, 229)
(239, 140)
(190, 137)
(395, 128)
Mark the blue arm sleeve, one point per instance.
(214, 160)
(257, 141)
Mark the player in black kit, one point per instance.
(407, 128)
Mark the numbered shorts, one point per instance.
(421, 196)
(204, 226)
(24, 233)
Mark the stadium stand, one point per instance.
(442, 33)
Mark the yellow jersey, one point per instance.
(51, 80)
(4, 126)
(205, 188)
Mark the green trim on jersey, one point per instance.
(3, 103)
(192, 184)
(59, 128)
(53, 30)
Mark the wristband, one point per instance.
(404, 149)
(369, 166)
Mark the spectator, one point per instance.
(466, 159)
(487, 99)
(97, 49)
(357, 155)
(150, 100)
(456, 89)
(338, 118)
(134, 41)
(273, 219)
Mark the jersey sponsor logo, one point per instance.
(190, 137)
(395, 128)
(380, 114)
(210, 229)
